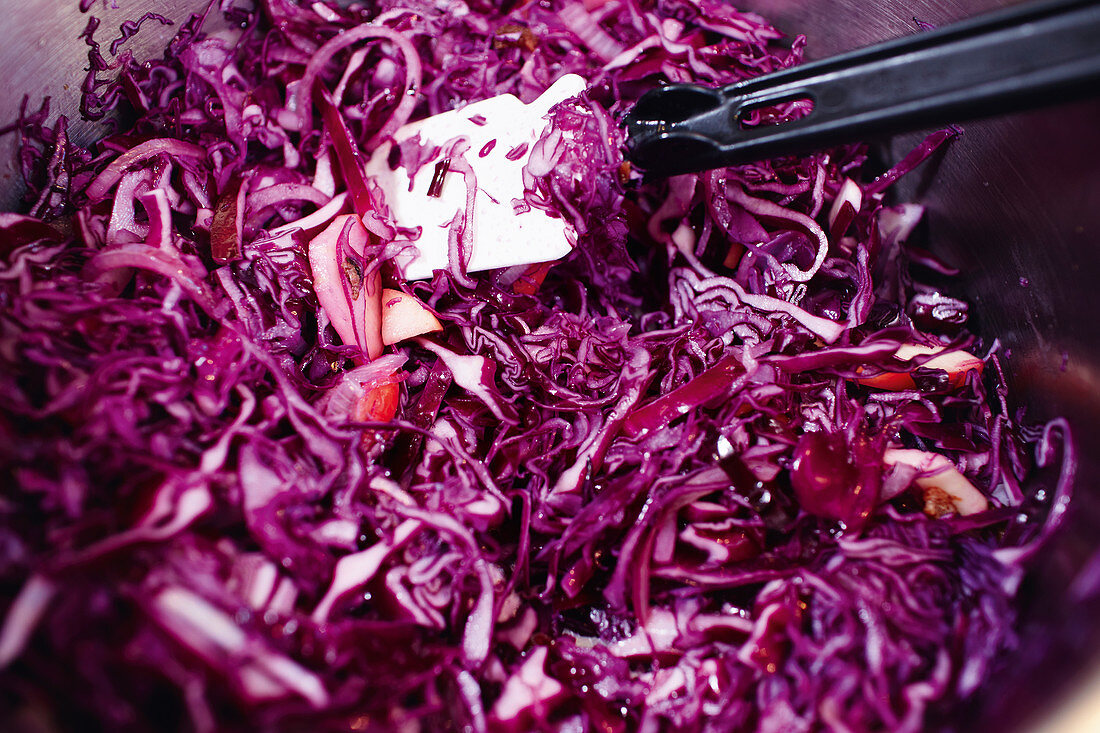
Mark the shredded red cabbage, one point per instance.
(731, 465)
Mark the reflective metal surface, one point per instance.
(1015, 203)
(42, 55)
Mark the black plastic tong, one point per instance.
(1021, 57)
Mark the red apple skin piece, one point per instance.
(957, 364)
(360, 321)
(379, 403)
(404, 317)
(531, 280)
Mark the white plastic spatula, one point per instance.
(494, 137)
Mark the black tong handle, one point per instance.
(1021, 57)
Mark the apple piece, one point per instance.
(957, 364)
(403, 317)
(350, 297)
(946, 490)
(845, 207)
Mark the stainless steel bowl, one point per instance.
(1015, 203)
(42, 55)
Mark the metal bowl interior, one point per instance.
(1015, 203)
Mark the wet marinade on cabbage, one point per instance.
(735, 463)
